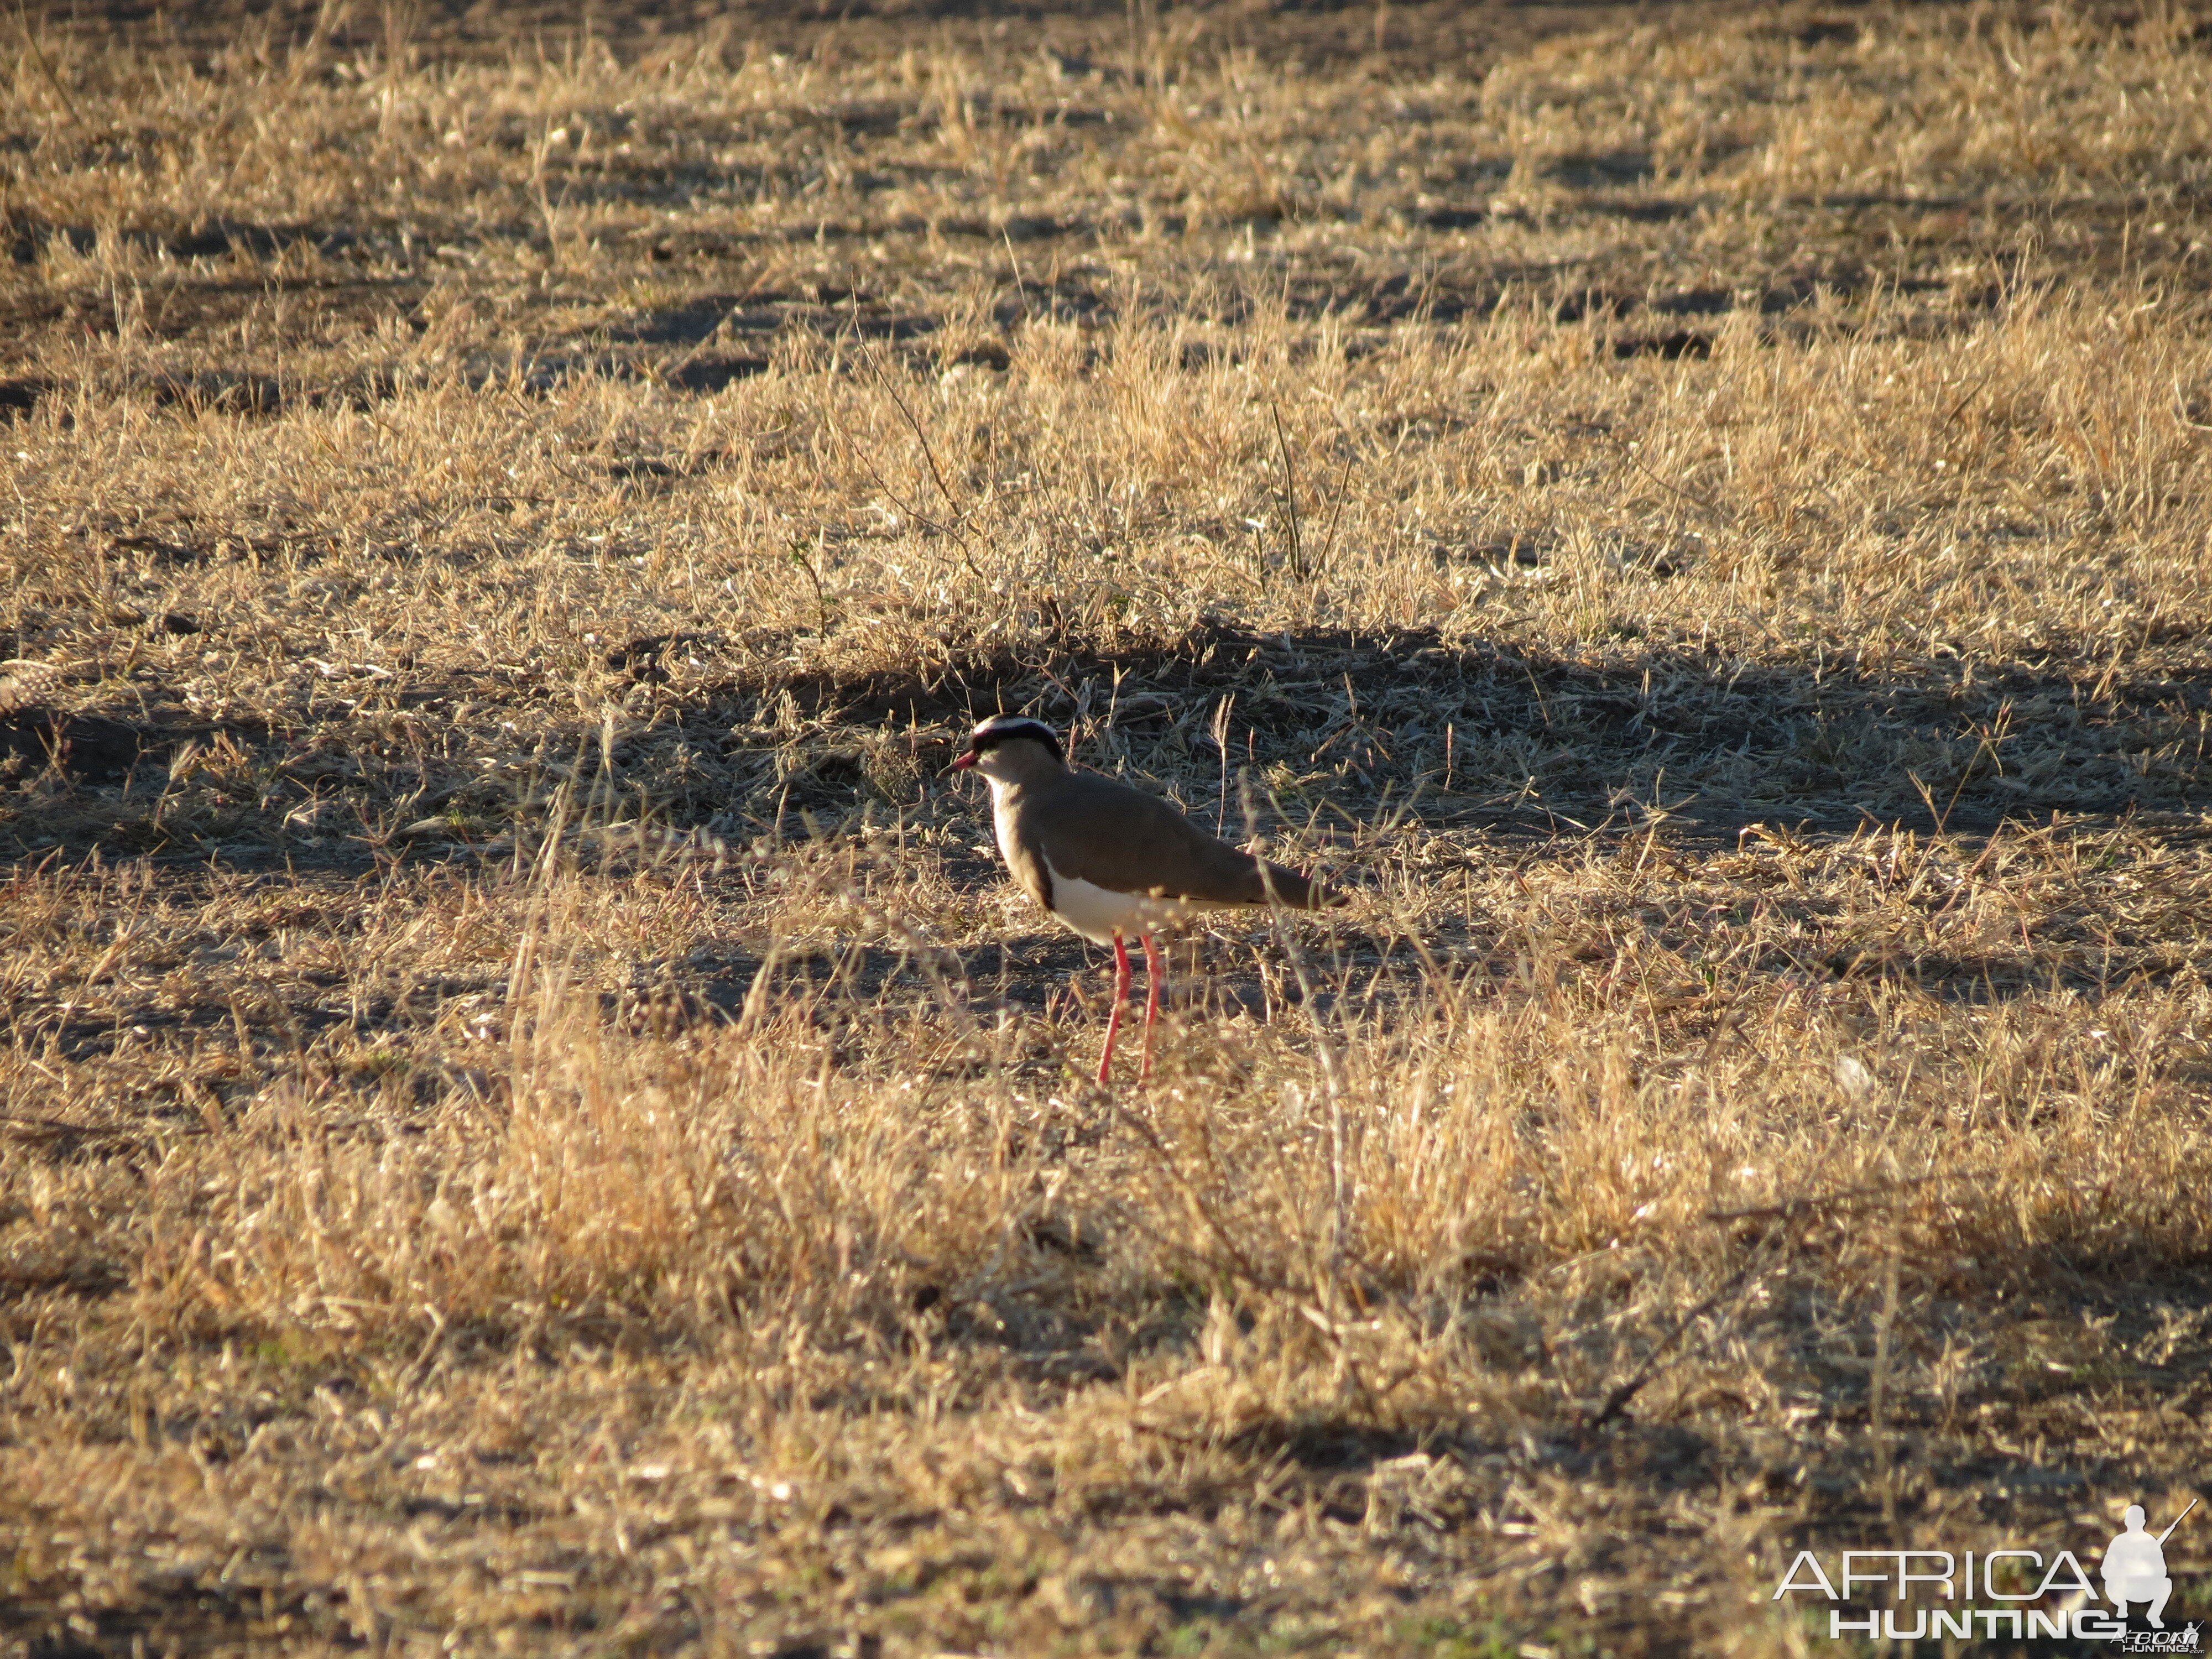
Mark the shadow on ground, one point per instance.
(1333, 730)
(1541, 742)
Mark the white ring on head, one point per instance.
(1001, 727)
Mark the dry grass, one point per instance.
(530, 1119)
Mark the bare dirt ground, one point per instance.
(530, 1119)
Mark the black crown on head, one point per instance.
(999, 728)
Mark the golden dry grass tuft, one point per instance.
(529, 1118)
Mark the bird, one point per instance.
(1108, 860)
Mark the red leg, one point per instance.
(1121, 996)
(1152, 977)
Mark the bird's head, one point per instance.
(1005, 746)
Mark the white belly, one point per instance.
(1099, 913)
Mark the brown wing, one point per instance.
(1106, 833)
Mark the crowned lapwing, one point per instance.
(1109, 860)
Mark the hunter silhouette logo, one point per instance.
(2135, 1565)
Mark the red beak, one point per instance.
(964, 763)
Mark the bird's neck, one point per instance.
(1004, 788)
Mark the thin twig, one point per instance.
(1020, 292)
(1335, 518)
(1221, 743)
(38, 57)
(1237, 1259)
(1789, 1209)
(1782, 1216)
(1331, 1083)
(928, 454)
(1959, 408)
(1290, 498)
(1628, 452)
(1618, 1400)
